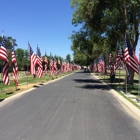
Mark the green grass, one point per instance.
(9, 90)
(120, 83)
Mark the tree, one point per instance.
(8, 42)
(21, 59)
(68, 57)
(110, 20)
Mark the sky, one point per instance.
(46, 23)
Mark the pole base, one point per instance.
(138, 100)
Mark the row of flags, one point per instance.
(124, 58)
(5, 65)
(36, 67)
(36, 61)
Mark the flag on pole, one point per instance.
(15, 67)
(130, 58)
(4, 57)
(111, 64)
(39, 62)
(33, 60)
(51, 64)
(59, 63)
(46, 62)
(119, 59)
(101, 64)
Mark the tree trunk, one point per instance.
(129, 79)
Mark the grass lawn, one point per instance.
(119, 83)
(25, 82)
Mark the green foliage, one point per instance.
(68, 57)
(103, 24)
(8, 42)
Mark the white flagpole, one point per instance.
(126, 82)
(27, 63)
(138, 99)
(1, 79)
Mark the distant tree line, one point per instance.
(22, 56)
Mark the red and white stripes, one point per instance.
(15, 68)
(4, 57)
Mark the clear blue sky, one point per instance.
(43, 22)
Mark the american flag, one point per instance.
(119, 58)
(120, 61)
(111, 64)
(59, 63)
(15, 67)
(101, 65)
(51, 65)
(95, 66)
(55, 66)
(130, 58)
(39, 62)
(62, 66)
(4, 57)
(46, 62)
(33, 60)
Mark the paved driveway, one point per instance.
(77, 107)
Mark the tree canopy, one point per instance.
(103, 24)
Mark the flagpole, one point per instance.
(1, 80)
(27, 64)
(126, 83)
(138, 99)
(27, 71)
(119, 77)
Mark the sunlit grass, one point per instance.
(119, 84)
(24, 82)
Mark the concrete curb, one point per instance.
(132, 107)
(15, 96)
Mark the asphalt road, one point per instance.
(77, 107)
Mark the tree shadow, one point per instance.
(93, 87)
(86, 81)
(91, 84)
(10, 92)
(41, 84)
(135, 81)
(1, 100)
(36, 86)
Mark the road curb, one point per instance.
(17, 95)
(132, 107)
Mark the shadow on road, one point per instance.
(91, 84)
(1, 100)
(86, 81)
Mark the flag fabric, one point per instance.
(101, 64)
(15, 68)
(119, 59)
(95, 68)
(59, 63)
(130, 58)
(51, 65)
(39, 63)
(111, 64)
(33, 60)
(62, 66)
(55, 66)
(46, 62)
(4, 57)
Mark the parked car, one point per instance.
(86, 70)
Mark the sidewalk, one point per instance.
(132, 107)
